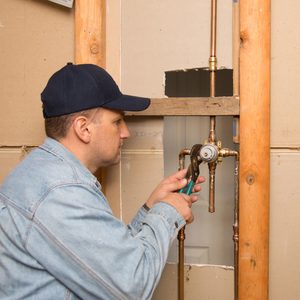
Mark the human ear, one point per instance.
(81, 129)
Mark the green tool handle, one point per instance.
(188, 188)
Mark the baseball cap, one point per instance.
(80, 87)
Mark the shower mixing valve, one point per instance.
(209, 153)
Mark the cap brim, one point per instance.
(128, 103)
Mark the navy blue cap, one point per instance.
(76, 88)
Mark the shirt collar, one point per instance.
(59, 150)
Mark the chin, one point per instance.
(111, 162)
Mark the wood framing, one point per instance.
(253, 109)
(198, 106)
(90, 33)
(90, 40)
(254, 149)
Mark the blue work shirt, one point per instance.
(60, 240)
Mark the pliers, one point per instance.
(193, 169)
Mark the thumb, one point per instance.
(181, 183)
(173, 187)
(181, 174)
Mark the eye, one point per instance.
(118, 121)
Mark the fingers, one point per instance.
(178, 175)
(197, 187)
(194, 198)
(187, 199)
(182, 203)
(200, 179)
(175, 185)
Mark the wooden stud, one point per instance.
(254, 149)
(90, 32)
(90, 40)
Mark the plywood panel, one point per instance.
(9, 158)
(168, 37)
(201, 282)
(141, 172)
(284, 226)
(285, 76)
(36, 39)
(145, 133)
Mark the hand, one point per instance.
(172, 184)
(182, 203)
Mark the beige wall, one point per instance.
(285, 155)
(146, 38)
(36, 38)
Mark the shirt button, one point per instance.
(176, 224)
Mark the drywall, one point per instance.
(285, 63)
(36, 39)
(285, 154)
(201, 282)
(145, 39)
(284, 225)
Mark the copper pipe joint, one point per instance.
(212, 63)
(182, 155)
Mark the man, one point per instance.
(58, 236)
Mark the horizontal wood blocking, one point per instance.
(193, 106)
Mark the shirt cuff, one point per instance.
(146, 207)
(169, 213)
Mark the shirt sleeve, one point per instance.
(75, 237)
(138, 220)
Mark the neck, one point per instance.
(79, 150)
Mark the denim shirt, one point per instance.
(60, 240)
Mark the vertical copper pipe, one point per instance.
(213, 28)
(212, 175)
(236, 227)
(236, 137)
(181, 237)
(212, 68)
(235, 63)
(225, 152)
(235, 46)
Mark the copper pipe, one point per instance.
(181, 237)
(213, 27)
(236, 46)
(212, 69)
(235, 63)
(236, 227)
(182, 155)
(212, 175)
(225, 153)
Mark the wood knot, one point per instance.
(94, 49)
(250, 179)
(243, 38)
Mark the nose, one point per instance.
(125, 131)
